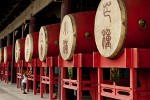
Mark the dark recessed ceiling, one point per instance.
(10, 9)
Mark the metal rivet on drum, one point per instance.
(142, 23)
(88, 35)
(56, 43)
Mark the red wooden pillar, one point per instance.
(2, 71)
(7, 72)
(19, 67)
(28, 82)
(17, 76)
(21, 72)
(63, 76)
(32, 25)
(133, 83)
(100, 81)
(79, 79)
(41, 84)
(51, 75)
(17, 70)
(34, 80)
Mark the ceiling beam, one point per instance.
(31, 10)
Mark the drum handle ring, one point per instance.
(142, 23)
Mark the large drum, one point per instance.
(1, 54)
(48, 41)
(7, 53)
(122, 23)
(31, 46)
(77, 34)
(19, 49)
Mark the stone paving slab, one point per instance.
(11, 92)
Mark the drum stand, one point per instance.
(2, 71)
(80, 84)
(7, 72)
(49, 78)
(33, 77)
(134, 88)
(19, 67)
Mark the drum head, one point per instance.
(67, 38)
(5, 54)
(17, 50)
(43, 43)
(110, 27)
(0, 55)
(28, 47)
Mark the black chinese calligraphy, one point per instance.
(107, 10)
(27, 50)
(65, 30)
(106, 41)
(65, 46)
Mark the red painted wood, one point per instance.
(22, 50)
(137, 37)
(85, 23)
(132, 58)
(79, 60)
(137, 57)
(49, 79)
(19, 76)
(74, 32)
(51, 32)
(35, 44)
(22, 46)
(9, 53)
(31, 44)
(80, 84)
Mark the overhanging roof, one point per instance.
(31, 10)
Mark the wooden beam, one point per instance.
(31, 10)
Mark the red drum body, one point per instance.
(77, 34)
(7, 53)
(138, 20)
(1, 55)
(48, 41)
(31, 46)
(119, 24)
(19, 49)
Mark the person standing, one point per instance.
(24, 81)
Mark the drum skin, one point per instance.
(19, 49)
(1, 54)
(8, 53)
(77, 34)
(48, 41)
(31, 46)
(121, 24)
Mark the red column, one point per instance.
(41, 84)
(133, 83)
(34, 80)
(51, 83)
(100, 81)
(63, 91)
(79, 79)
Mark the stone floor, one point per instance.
(11, 92)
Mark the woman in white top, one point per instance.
(24, 81)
